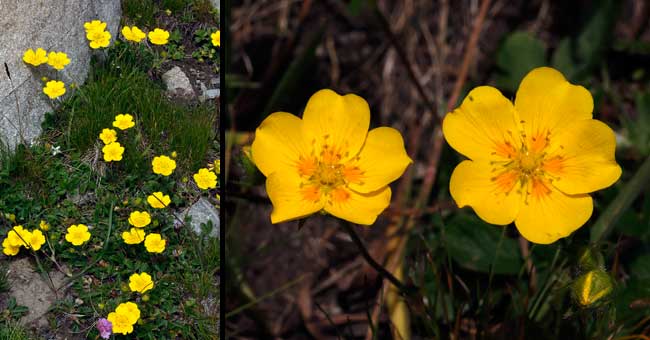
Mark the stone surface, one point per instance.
(177, 82)
(54, 26)
(216, 4)
(201, 212)
(31, 291)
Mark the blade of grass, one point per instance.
(623, 200)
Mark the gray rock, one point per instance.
(177, 82)
(201, 212)
(32, 291)
(211, 94)
(54, 27)
(216, 4)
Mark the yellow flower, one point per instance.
(328, 160)
(95, 25)
(216, 166)
(35, 58)
(9, 249)
(58, 60)
(205, 179)
(44, 226)
(154, 243)
(133, 236)
(108, 136)
(163, 165)
(133, 34)
(139, 219)
(113, 152)
(129, 309)
(121, 323)
(77, 234)
(534, 162)
(54, 89)
(18, 236)
(36, 239)
(158, 200)
(99, 39)
(216, 38)
(140, 282)
(158, 36)
(123, 121)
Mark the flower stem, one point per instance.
(379, 268)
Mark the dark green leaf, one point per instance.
(473, 244)
(519, 53)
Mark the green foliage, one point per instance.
(13, 331)
(638, 128)
(578, 55)
(161, 126)
(475, 245)
(519, 53)
(141, 12)
(205, 50)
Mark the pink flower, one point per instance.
(105, 328)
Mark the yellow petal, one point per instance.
(485, 126)
(290, 200)
(492, 194)
(582, 158)
(553, 215)
(357, 207)
(278, 143)
(382, 160)
(337, 121)
(547, 102)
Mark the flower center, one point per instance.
(329, 175)
(528, 163)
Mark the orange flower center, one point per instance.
(529, 166)
(326, 175)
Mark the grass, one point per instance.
(13, 331)
(122, 86)
(143, 13)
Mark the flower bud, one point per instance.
(592, 287)
(590, 259)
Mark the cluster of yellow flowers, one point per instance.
(20, 237)
(57, 60)
(97, 34)
(124, 317)
(112, 149)
(157, 37)
(153, 242)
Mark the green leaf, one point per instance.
(519, 53)
(640, 268)
(473, 244)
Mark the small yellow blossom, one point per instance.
(58, 60)
(36, 239)
(108, 136)
(139, 219)
(133, 34)
(534, 162)
(205, 179)
(158, 200)
(133, 236)
(140, 282)
(54, 89)
(77, 234)
(123, 121)
(159, 36)
(120, 322)
(216, 166)
(35, 58)
(99, 39)
(44, 226)
(113, 152)
(95, 25)
(216, 38)
(129, 309)
(328, 160)
(163, 165)
(8, 248)
(154, 243)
